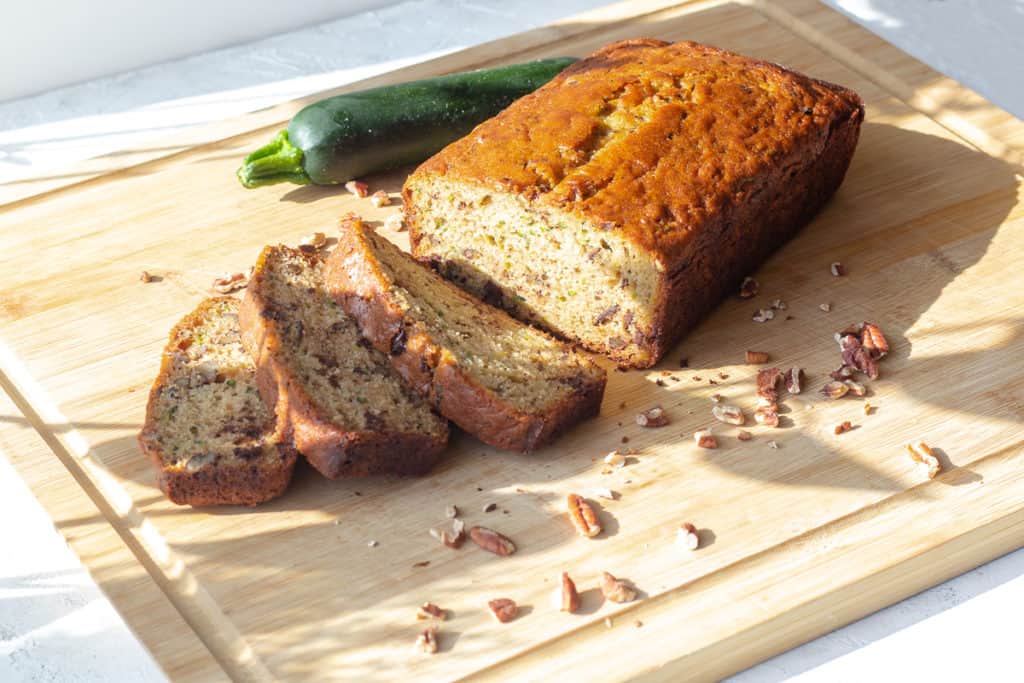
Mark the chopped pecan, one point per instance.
(763, 315)
(922, 454)
(313, 241)
(705, 439)
(503, 610)
(826, 307)
(455, 539)
(492, 541)
(874, 341)
(834, 389)
(231, 282)
(843, 427)
(569, 597)
(395, 222)
(426, 642)
(836, 268)
(358, 188)
(748, 288)
(855, 388)
(380, 198)
(145, 277)
(744, 435)
(451, 511)
(653, 417)
(729, 414)
(687, 536)
(868, 408)
(767, 415)
(583, 516)
(615, 459)
(767, 381)
(842, 373)
(429, 610)
(857, 357)
(615, 589)
(794, 379)
(756, 357)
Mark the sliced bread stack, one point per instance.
(210, 436)
(509, 384)
(338, 399)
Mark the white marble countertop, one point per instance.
(55, 624)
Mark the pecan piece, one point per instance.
(451, 511)
(748, 288)
(314, 241)
(457, 536)
(687, 536)
(843, 372)
(426, 642)
(763, 315)
(615, 589)
(767, 380)
(429, 610)
(767, 415)
(874, 341)
(358, 188)
(756, 357)
(729, 414)
(793, 380)
(843, 427)
(825, 307)
(583, 516)
(569, 597)
(922, 454)
(380, 198)
(836, 268)
(395, 222)
(855, 388)
(834, 389)
(231, 282)
(744, 435)
(705, 439)
(503, 610)
(492, 541)
(653, 417)
(145, 277)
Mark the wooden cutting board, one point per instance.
(797, 540)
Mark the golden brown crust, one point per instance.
(333, 450)
(215, 484)
(718, 143)
(361, 287)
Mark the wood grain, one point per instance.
(797, 540)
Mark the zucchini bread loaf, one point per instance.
(618, 203)
(508, 384)
(209, 434)
(347, 410)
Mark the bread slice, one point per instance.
(345, 408)
(508, 384)
(617, 204)
(209, 434)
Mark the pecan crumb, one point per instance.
(749, 288)
(843, 427)
(722, 375)
(744, 435)
(569, 596)
(716, 398)
(372, 544)
(451, 511)
(582, 516)
(420, 565)
(358, 188)
(231, 282)
(395, 222)
(826, 307)
(687, 536)
(923, 454)
(763, 315)
(653, 417)
(705, 439)
(380, 198)
(773, 445)
(624, 439)
(615, 589)
(834, 389)
(660, 382)
(455, 539)
(503, 610)
(429, 610)
(855, 388)
(729, 414)
(756, 357)
(868, 408)
(492, 541)
(836, 268)
(426, 642)
(778, 304)
(145, 277)
(615, 459)
(696, 378)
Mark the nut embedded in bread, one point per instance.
(347, 411)
(621, 201)
(206, 429)
(508, 384)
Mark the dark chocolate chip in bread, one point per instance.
(510, 385)
(347, 410)
(209, 434)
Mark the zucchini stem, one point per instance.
(279, 161)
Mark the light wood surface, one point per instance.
(797, 540)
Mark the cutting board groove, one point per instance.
(797, 540)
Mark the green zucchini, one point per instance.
(348, 136)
